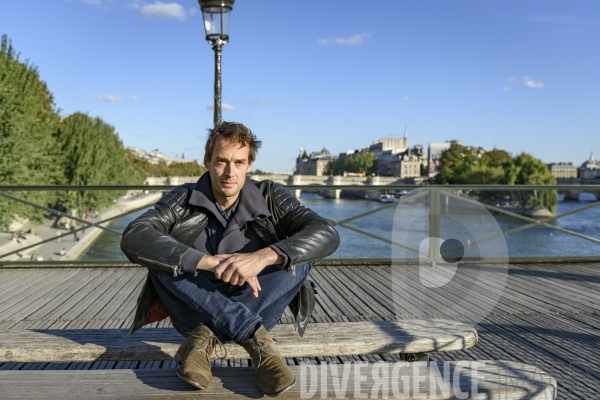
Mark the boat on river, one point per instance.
(385, 198)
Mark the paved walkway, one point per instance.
(74, 244)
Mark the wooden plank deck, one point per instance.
(492, 380)
(547, 316)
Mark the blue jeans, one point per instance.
(231, 312)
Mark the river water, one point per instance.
(538, 241)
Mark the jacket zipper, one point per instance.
(160, 263)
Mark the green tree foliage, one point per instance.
(28, 150)
(525, 169)
(92, 154)
(146, 168)
(455, 165)
(459, 165)
(495, 158)
(184, 169)
(359, 162)
(260, 172)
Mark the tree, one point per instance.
(525, 169)
(459, 165)
(184, 169)
(362, 162)
(145, 168)
(359, 162)
(28, 151)
(455, 165)
(92, 154)
(260, 172)
(495, 158)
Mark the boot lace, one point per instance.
(260, 350)
(209, 344)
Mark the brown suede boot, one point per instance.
(273, 376)
(194, 357)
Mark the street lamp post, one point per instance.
(216, 15)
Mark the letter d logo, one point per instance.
(443, 244)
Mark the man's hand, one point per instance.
(238, 269)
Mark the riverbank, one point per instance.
(68, 247)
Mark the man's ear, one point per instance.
(250, 166)
(206, 163)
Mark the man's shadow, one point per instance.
(226, 382)
(153, 344)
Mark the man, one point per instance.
(226, 256)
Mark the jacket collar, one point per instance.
(251, 203)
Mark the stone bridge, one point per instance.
(300, 180)
(573, 195)
(313, 180)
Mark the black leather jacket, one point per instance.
(160, 237)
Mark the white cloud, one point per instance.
(224, 107)
(160, 10)
(261, 103)
(110, 98)
(96, 3)
(532, 83)
(511, 79)
(506, 88)
(353, 40)
(193, 10)
(406, 98)
(133, 97)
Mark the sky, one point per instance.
(518, 75)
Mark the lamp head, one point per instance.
(216, 15)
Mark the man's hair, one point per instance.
(233, 133)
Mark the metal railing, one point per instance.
(435, 192)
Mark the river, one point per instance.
(539, 241)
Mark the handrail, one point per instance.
(307, 187)
(434, 190)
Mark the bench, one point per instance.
(320, 339)
(433, 380)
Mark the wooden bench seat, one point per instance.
(433, 380)
(320, 339)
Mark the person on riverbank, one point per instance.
(226, 256)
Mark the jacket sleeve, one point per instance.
(147, 240)
(308, 237)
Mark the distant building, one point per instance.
(155, 156)
(392, 145)
(563, 170)
(412, 163)
(389, 153)
(434, 153)
(313, 164)
(394, 158)
(590, 169)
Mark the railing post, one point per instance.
(434, 224)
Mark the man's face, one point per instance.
(228, 167)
